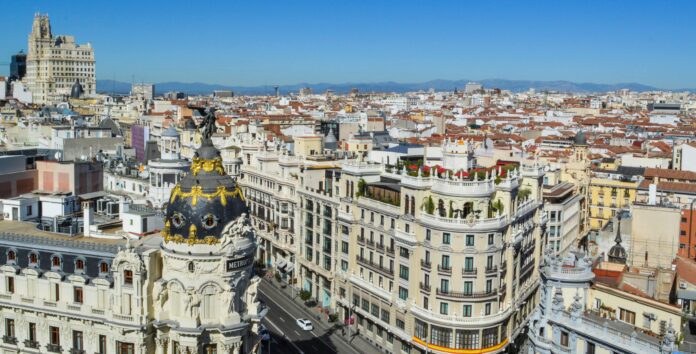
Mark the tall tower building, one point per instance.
(55, 63)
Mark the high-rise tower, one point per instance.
(55, 63)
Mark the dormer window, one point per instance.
(128, 277)
(55, 261)
(80, 265)
(11, 255)
(33, 259)
(103, 267)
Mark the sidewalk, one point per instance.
(357, 342)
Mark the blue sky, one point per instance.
(283, 42)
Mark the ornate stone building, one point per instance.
(193, 290)
(56, 63)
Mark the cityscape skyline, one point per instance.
(551, 42)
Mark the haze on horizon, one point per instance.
(262, 43)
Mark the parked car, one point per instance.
(305, 324)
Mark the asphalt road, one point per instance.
(286, 336)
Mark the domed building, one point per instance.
(206, 297)
(192, 290)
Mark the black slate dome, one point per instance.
(204, 201)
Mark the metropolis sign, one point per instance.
(239, 263)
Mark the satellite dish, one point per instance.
(58, 155)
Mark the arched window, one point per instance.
(55, 261)
(11, 255)
(80, 264)
(33, 259)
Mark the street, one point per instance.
(287, 337)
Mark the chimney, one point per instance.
(87, 215)
(652, 194)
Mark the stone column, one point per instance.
(161, 343)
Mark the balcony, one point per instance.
(374, 266)
(53, 348)
(77, 351)
(425, 264)
(390, 251)
(361, 241)
(491, 270)
(380, 247)
(425, 287)
(9, 340)
(463, 188)
(447, 269)
(466, 295)
(469, 272)
(371, 244)
(494, 223)
(31, 344)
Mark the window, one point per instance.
(468, 287)
(487, 309)
(426, 305)
(489, 286)
(374, 310)
(564, 338)
(590, 348)
(9, 328)
(55, 261)
(490, 239)
(11, 255)
(128, 277)
(103, 267)
(77, 295)
(10, 285)
(444, 308)
(444, 285)
(468, 264)
(33, 259)
(441, 336)
(125, 348)
(403, 252)
(344, 247)
(77, 340)
(32, 332)
(403, 293)
(466, 311)
(469, 240)
(344, 265)
(54, 335)
(80, 264)
(627, 316)
(445, 261)
(427, 234)
(102, 344)
(489, 337)
(385, 315)
(56, 292)
(466, 339)
(403, 272)
(445, 238)
(400, 323)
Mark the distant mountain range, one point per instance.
(108, 86)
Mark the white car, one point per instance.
(305, 324)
